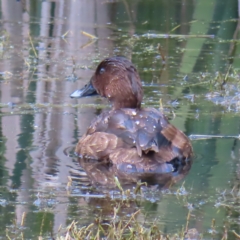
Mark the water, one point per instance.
(44, 57)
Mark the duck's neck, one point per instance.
(119, 105)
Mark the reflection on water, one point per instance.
(105, 174)
(44, 57)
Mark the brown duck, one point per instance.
(134, 140)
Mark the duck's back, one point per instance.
(136, 140)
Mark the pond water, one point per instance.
(187, 54)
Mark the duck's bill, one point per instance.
(87, 90)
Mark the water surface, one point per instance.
(44, 57)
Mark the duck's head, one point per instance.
(116, 79)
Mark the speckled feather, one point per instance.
(133, 135)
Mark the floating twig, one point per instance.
(213, 223)
(88, 35)
(226, 76)
(175, 28)
(203, 137)
(225, 234)
(158, 35)
(182, 24)
(34, 50)
(23, 218)
(69, 183)
(27, 63)
(160, 104)
(187, 222)
(88, 43)
(7, 235)
(65, 34)
(237, 235)
(74, 65)
(198, 83)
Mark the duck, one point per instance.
(131, 139)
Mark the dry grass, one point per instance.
(119, 230)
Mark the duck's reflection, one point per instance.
(104, 174)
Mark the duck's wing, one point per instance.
(146, 132)
(179, 142)
(149, 131)
(98, 145)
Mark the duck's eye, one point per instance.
(102, 70)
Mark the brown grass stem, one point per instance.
(132, 217)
